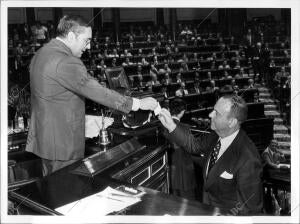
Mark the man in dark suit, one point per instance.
(232, 171)
(182, 171)
(59, 84)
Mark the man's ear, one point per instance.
(71, 36)
(233, 122)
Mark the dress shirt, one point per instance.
(225, 143)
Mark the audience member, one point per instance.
(182, 91)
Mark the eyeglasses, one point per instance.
(87, 41)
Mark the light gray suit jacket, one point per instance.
(59, 83)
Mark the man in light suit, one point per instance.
(59, 84)
(233, 182)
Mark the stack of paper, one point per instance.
(99, 204)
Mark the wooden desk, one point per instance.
(277, 184)
(64, 186)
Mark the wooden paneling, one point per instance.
(138, 14)
(263, 12)
(86, 13)
(16, 15)
(44, 14)
(107, 15)
(197, 13)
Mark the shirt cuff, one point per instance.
(136, 103)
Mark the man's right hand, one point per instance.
(167, 120)
(148, 103)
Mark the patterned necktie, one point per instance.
(214, 155)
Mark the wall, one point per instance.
(18, 15)
(44, 14)
(197, 14)
(263, 12)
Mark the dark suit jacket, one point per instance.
(59, 83)
(243, 193)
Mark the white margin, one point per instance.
(295, 145)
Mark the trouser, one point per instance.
(50, 166)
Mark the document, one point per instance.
(93, 124)
(99, 204)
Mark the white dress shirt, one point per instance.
(225, 143)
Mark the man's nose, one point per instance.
(211, 114)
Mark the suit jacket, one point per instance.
(181, 92)
(182, 166)
(59, 83)
(241, 192)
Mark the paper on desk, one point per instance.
(99, 204)
(93, 124)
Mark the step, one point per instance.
(268, 101)
(272, 114)
(278, 121)
(264, 94)
(263, 90)
(284, 145)
(270, 107)
(285, 151)
(282, 137)
(280, 129)
(262, 97)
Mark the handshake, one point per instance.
(164, 115)
(148, 103)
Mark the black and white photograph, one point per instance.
(150, 112)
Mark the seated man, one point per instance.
(182, 171)
(182, 91)
(226, 75)
(127, 62)
(232, 166)
(140, 83)
(167, 80)
(273, 157)
(212, 87)
(250, 84)
(178, 77)
(196, 88)
(153, 80)
(144, 62)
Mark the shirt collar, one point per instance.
(59, 41)
(229, 138)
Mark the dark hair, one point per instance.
(239, 108)
(70, 23)
(177, 105)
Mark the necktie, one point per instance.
(214, 155)
(182, 92)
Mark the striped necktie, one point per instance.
(214, 155)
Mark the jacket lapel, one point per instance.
(225, 163)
